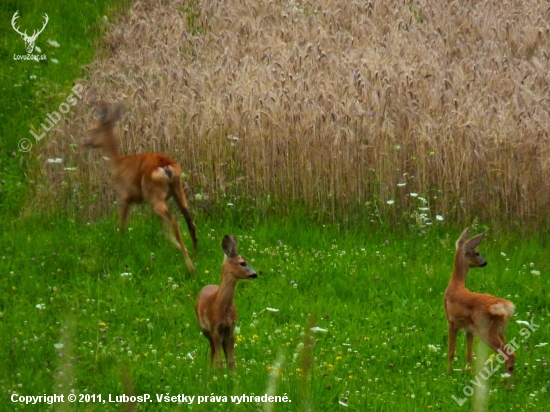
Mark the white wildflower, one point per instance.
(53, 43)
(318, 329)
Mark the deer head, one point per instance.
(234, 264)
(103, 136)
(469, 249)
(29, 40)
(107, 120)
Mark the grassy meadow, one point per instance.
(345, 144)
(88, 309)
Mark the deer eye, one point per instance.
(243, 264)
(477, 253)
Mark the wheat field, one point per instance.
(342, 106)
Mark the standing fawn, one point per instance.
(476, 313)
(216, 312)
(145, 177)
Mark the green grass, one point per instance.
(378, 295)
(69, 320)
(31, 89)
(28, 89)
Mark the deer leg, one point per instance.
(494, 341)
(208, 336)
(123, 210)
(181, 201)
(508, 351)
(217, 341)
(176, 228)
(229, 350)
(224, 347)
(162, 211)
(452, 346)
(212, 351)
(469, 344)
(190, 226)
(501, 334)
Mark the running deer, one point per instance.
(145, 177)
(476, 313)
(216, 311)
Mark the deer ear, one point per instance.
(474, 242)
(117, 112)
(463, 238)
(229, 246)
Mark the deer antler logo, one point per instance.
(29, 40)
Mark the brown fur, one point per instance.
(146, 177)
(476, 313)
(215, 309)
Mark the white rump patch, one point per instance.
(505, 309)
(159, 174)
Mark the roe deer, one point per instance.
(476, 313)
(216, 312)
(145, 177)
